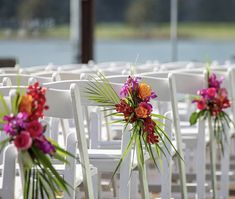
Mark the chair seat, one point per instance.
(60, 168)
(106, 160)
(79, 176)
(18, 188)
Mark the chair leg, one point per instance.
(166, 178)
(114, 185)
(213, 159)
(99, 191)
(225, 162)
(134, 185)
(95, 182)
(201, 161)
(144, 183)
(78, 194)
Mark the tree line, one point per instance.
(135, 12)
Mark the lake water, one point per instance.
(37, 52)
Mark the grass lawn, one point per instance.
(221, 31)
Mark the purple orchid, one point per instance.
(131, 84)
(15, 123)
(44, 145)
(214, 82)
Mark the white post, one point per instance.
(75, 21)
(174, 20)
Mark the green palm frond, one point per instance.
(101, 91)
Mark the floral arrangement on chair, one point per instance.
(211, 103)
(135, 108)
(23, 127)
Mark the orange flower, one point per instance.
(144, 91)
(141, 112)
(26, 104)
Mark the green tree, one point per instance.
(140, 12)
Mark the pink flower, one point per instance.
(23, 141)
(35, 129)
(211, 92)
(202, 92)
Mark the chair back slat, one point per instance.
(187, 83)
(23, 79)
(83, 85)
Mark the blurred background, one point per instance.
(38, 31)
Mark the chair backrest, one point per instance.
(82, 85)
(158, 74)
(23, 79)
(173, 65)
(187, 83)
(116, 64)
(69, 67)
(68, 75)
(39, 68)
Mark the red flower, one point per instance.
(152, 138)
(126, 109)
(149, 125)
(201, 104)
(226, 103)
(23, 141)
(39, 101)
(35, 129)
(211, 92)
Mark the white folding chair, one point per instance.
(189, 84)
(104, 160)
(221, 72)
(162, 88)
(69, 103)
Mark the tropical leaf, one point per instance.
(193, 118)
(6, 110)
(101, 91)
(4, 143)
(159, 116)
(127, 150)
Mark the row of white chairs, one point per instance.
(167, 90)
(110, 68)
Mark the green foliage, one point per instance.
(101, 91)
(42, 179)
(140, 12)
